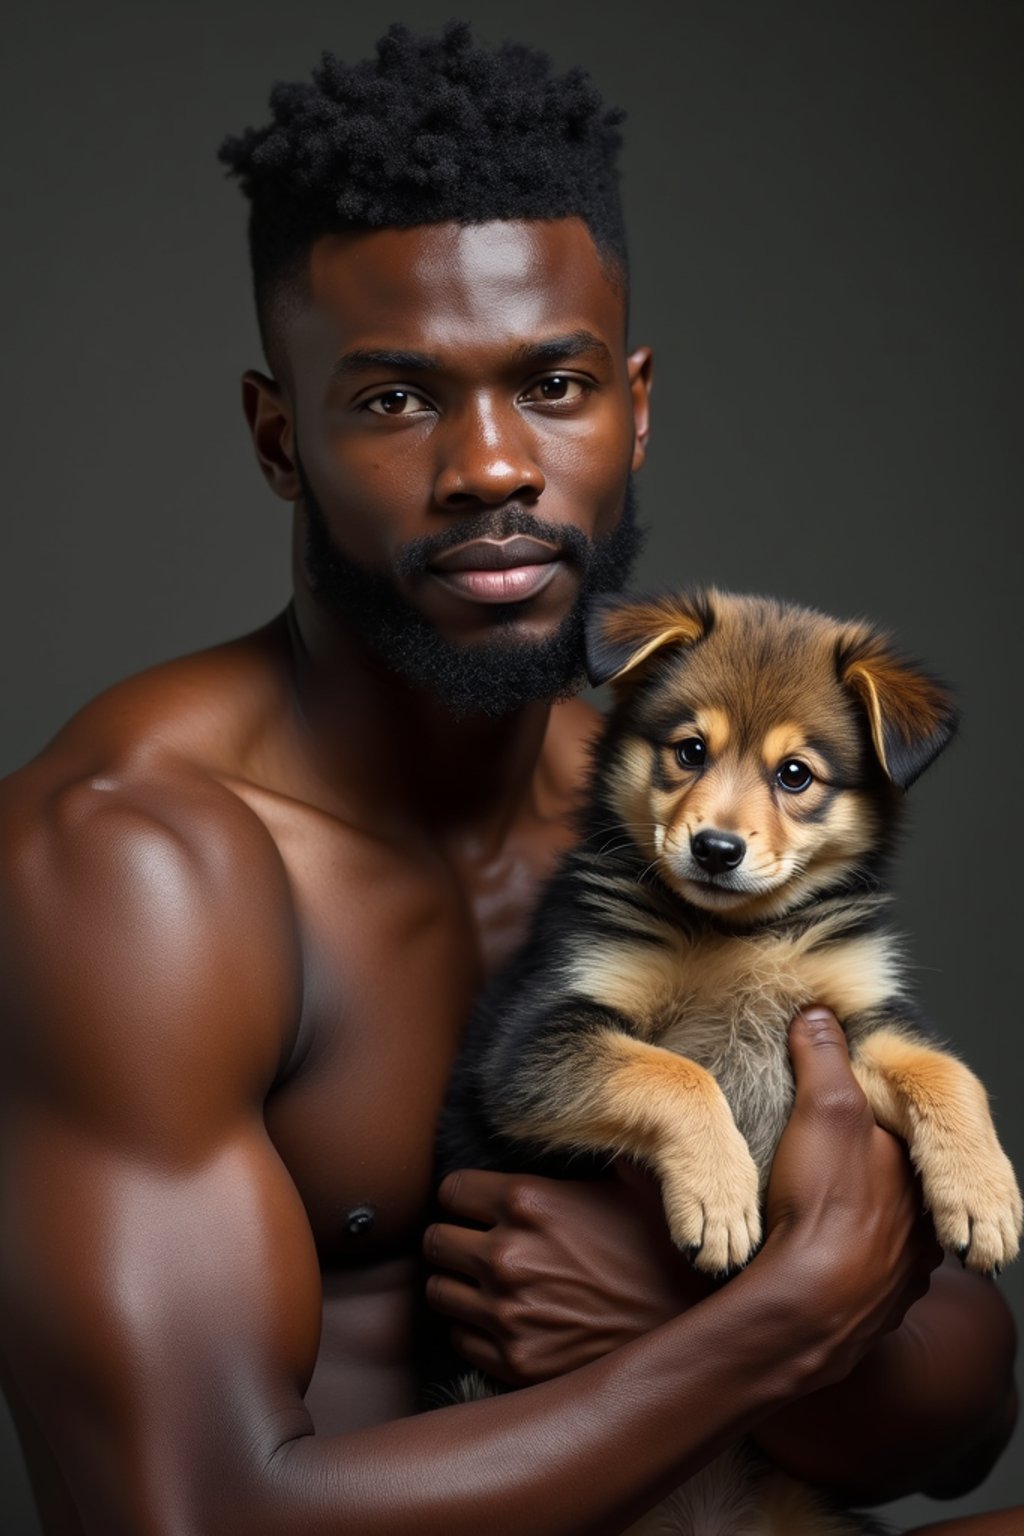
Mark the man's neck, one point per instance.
(397, 747)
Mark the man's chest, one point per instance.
(395, 949)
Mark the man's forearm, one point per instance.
(587, 1452)
(929, 1409)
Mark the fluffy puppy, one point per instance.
(732, 868)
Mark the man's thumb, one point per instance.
(817, 1046)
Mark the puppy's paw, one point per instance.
(975, 1204)
(712, 1206)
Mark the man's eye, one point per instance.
(557, 388)
(396, 402)
(692, 753)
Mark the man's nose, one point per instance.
(487, 458)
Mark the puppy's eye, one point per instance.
(692, 753)
(794, 776)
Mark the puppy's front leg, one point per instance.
(616, 1093)
(940, 1109)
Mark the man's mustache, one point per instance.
(502, 523)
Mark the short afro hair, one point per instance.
(431, 130)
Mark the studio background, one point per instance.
(825, 206)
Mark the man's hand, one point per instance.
(564, 1272)
(843, 1202)
(922, 1394)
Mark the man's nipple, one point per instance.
(360, 1220)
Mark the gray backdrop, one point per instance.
(825, 203)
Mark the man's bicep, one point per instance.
(161, 1293)
(166, 1316)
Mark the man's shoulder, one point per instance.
(201, 708)
(128, 821)
(157, 750)
(110, 809)
(132, 839)
(146, 921)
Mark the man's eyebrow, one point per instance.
(564, 349)
(553, 349)
(371, 359)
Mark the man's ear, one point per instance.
(273, 433)
(911, 714)
(622, 631)
(640, 367)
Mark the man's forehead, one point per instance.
(443, 285)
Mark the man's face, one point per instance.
(466, 423)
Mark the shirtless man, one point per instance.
(249, 896)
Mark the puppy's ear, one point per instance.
(622, 631)
(911, 714)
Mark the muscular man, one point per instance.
(249, 896)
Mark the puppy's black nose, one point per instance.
(717, 851)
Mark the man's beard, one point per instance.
(494, 676)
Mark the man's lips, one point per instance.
(496, 554)
(498, 570)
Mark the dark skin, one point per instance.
(248, 901)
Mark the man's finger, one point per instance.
(459, 1300)
(821, 1063)
(817, 1027)
(478, 1350)
(817, 1044)
(455, 1248)
(477, 1194)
